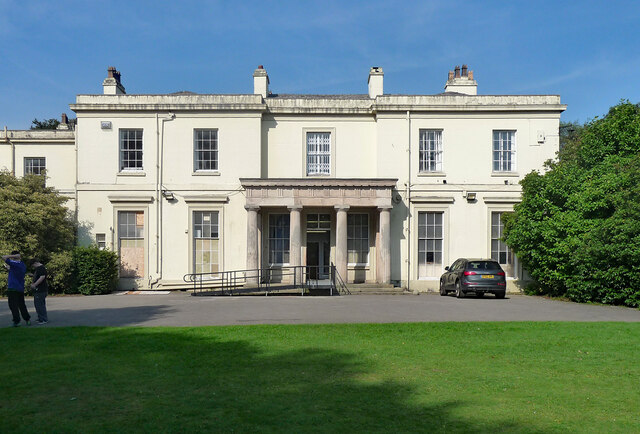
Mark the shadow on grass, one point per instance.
(257, 379)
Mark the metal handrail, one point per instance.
(341, 286)
(294, 276)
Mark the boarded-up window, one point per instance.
(206, 239)
(131, 243)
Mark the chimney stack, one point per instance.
(464, 84)
(376, 78)
(64, 123)
(261, 82)
(111, 85)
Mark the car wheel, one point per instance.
(442, 290)
(459, 292)
(501, 294)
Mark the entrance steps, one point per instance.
(374, 289)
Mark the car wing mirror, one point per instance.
(446, 268)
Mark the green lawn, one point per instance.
(428, 377)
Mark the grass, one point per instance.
(427, 377)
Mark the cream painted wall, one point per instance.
(354, 141)
(58, 149)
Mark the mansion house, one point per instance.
(389, 188)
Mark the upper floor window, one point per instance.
(504, 151)
(205, 150)
(318, 153)
(130, 150)
(34, 166)
(430, 150)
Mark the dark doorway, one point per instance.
(318, 251)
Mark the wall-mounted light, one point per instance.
(471, 196)
(168, 195)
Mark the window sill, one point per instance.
(319, 175)
(433, 174)
(503, 174)
(206, 173)
(132, 173)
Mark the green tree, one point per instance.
(577, 229)
(46, 124)
(33, 218)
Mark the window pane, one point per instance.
(358, 237)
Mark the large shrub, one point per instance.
(577, 229)
(61, 273)
(96, 271)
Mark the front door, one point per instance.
(318, 250)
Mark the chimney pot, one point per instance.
(260, 67)
(110, 71)
(470, 75)
(464, 70)
(450, 75)
(65, 120)
(457, 71)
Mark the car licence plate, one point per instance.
(487, 276)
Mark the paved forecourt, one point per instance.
(181, 309)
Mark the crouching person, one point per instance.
(40, 289)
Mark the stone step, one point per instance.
(374, 289)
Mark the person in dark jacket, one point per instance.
(15, 292)
(40, 289)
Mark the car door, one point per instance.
(451, 275)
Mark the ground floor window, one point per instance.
(499, 250)
(430, 238)
(131, 243)
(206, 242)
(358, 238)
(278, 238)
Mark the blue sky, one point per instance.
(586, 51)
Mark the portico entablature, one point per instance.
(372, 192)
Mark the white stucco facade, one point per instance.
(390, 188)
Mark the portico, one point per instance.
(338, 220)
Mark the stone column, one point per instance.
(384, 263)
(295, 239)
(252, 242)
(341, 240)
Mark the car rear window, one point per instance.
(483, 265)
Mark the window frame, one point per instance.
(121, 151)
(193, 238)
(42, 169)
(360, 239)
(145, 234)
(439, 207)
(423, 139)
(502, 152)
(204, 207)
(286, 240)
(196, 151)
(332, 153)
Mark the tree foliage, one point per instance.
(33, 218)
(46, 124)
(577, 229)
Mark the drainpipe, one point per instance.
(159, 168)
(13, 151)
(408, 197)
(75, 139)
